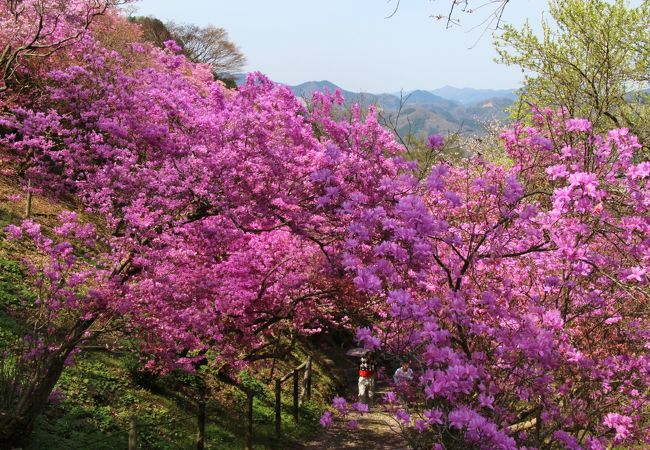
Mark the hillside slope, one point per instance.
(105, 386)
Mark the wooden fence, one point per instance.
(298, 399)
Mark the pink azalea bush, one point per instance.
(522, 290)
(194, 180)
(227, 219)
(220, 210)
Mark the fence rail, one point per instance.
(298, 399)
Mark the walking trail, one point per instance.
(377, 430)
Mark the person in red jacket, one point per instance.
(367, 378)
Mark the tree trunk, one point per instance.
(133, 433)
(249, 420)
(16, 426)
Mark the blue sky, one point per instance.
(351, 43)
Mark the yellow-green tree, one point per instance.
(593, 57)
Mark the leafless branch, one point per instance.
(209, 45)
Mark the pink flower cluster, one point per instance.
(223, 208)
(519, 289)
(230, 218)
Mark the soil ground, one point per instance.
(377, 429)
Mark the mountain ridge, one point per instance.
(422, 112)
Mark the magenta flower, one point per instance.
(14, 232)
(486, 401)
(620, 423)
(578, 125)
(360, 407)
(340, 405)
(420, 425)
(326, 419)
(435, 141)
(364, 336)
(403, 417)
(390, 397)
(434, 416)
(367, 281)
(56, 396)
(173, 46)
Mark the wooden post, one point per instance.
(249, 414)
(133, 433)
(200, 436)
(306, 382)
(278, 405)
(308, 370)
(28, 203)
(295, 394)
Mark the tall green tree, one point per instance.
(593, 57)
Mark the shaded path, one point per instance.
(377, 429)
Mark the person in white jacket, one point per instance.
(403, 374)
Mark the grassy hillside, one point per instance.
(99, 393)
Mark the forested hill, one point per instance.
(424, 112)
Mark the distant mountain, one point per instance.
(425, 98)
(306, 89)
(426, 112)
(445, 110)
(470, 95)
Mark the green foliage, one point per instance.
(12, 292)
(250, 383)
(99, 394)
(6, 218)
(12, 288)
(98, 399)
(592, 58)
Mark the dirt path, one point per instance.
(377, 430)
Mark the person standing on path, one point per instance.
(402, 378)
(367, 378)
(403, 374)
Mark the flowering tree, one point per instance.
(227, 219)
(522, 291)
(220, 210)
(32, 29)
(71, 290)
